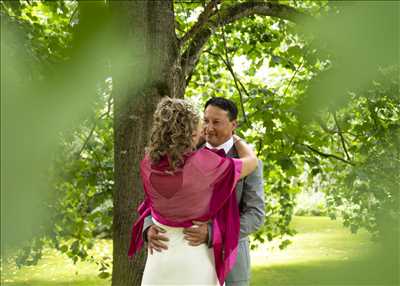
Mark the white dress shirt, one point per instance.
(226, 146)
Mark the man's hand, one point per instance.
(197, 235)
(155, 239)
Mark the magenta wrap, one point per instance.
(201, 190)
(137, 240)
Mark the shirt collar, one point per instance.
(226, 146)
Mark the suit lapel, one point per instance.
(239, 187)
(232, 153)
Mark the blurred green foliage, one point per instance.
(56, 122)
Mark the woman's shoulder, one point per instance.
(206, 160)
(205, 153)
(145, 160)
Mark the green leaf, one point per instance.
(104, 275)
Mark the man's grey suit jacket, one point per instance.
(250, 198)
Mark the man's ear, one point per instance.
(234, 123)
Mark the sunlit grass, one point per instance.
(318, 239)
(322, 253)
(56, 269)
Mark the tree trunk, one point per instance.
(148, 73)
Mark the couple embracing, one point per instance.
(200, 203)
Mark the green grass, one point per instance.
(56, 269)
(322, 253)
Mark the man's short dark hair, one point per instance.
(225, 104)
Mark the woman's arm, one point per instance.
(246, 155)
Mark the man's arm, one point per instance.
(252, 204)
(148, 221)
(152, 234)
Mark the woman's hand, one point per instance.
(236, 138)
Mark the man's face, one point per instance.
(197, 135)
(217, 126)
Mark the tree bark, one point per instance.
(140, 78)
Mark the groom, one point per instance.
(220, 116)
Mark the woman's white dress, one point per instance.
(180, 264)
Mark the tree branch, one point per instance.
(71, 18)
(325, 155)
(333, 131)
(106, 113)
(236, 81)
(324, 127)
(230, 14)
(235, 12)
(203, 18)
(293, 76)
(259, 148)
(341, 136)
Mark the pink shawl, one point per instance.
(202, 190)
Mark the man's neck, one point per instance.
(227, 145)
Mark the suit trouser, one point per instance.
(240, 274)
(237, 283)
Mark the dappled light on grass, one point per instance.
(57, 282)
(318, 239)
(323, 253)
(57, 269)
(333, 273)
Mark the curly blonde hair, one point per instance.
(174, 122)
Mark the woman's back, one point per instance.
(185, 194)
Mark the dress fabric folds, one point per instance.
(181, 264)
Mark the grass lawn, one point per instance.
(322, 253)
(56, 269)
